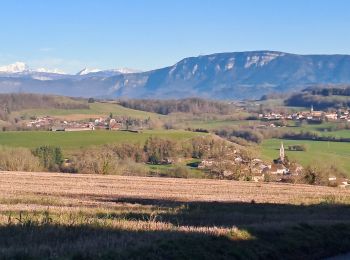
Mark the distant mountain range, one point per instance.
(236, 75)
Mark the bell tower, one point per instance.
(282, 152)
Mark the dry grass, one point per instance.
(88, 188)
(117, 216)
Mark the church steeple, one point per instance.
(282, 152)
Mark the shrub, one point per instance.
(51, 158)
(179, 171)
(159, 150)
(101, 160)
(319, 173)
(18, 159)
(131, 168)
(97, 161)
(247, 134)
(297, 147)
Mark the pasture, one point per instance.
(71, 141)
(96, 109)
(335, 153)
(62, 216)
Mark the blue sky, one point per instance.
(148, 34)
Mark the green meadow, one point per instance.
(96, 109)
(71, 141)
(217, 124)
(335, 153)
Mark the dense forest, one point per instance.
(321, 97)
(19, 101)
(189, 105)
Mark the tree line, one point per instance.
(321, 97)
(188, 105)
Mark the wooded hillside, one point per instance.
(188, 105)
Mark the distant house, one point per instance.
(114, 125)
(332, 178)
(76, 129)
(279, 169)
(57, 128)
(205, 163)
(344, 183)
(331, 116)
(338, 181)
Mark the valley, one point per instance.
(174, 130)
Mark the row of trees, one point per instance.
(129, 159)
(119, 158)
(189, 105)
(307, 99)
(330, 91)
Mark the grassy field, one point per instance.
(70, 141)
(61, 216)
(96, 110)
(217, 124)
(332, 152)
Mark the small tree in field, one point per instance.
(51, 158)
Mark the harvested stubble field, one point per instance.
(48, 215)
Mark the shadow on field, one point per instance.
(240, 214)
(264, 231)
(48, 241)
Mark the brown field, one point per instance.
(90, 216)
(92, 189)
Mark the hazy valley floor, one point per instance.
(107, 217)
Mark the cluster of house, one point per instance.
(57, 125)
(99, 123)
(41, 122)
(258, 169)
(341, 114)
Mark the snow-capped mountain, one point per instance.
(106, 73)
(233, 75)
(54, 71)
(86, 71)
(21, 67)
(14, 68)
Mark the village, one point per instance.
(101, 123)
(279, 170)
(311, 115)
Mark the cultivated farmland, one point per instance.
(90, 216)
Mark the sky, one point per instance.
(147, 34)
